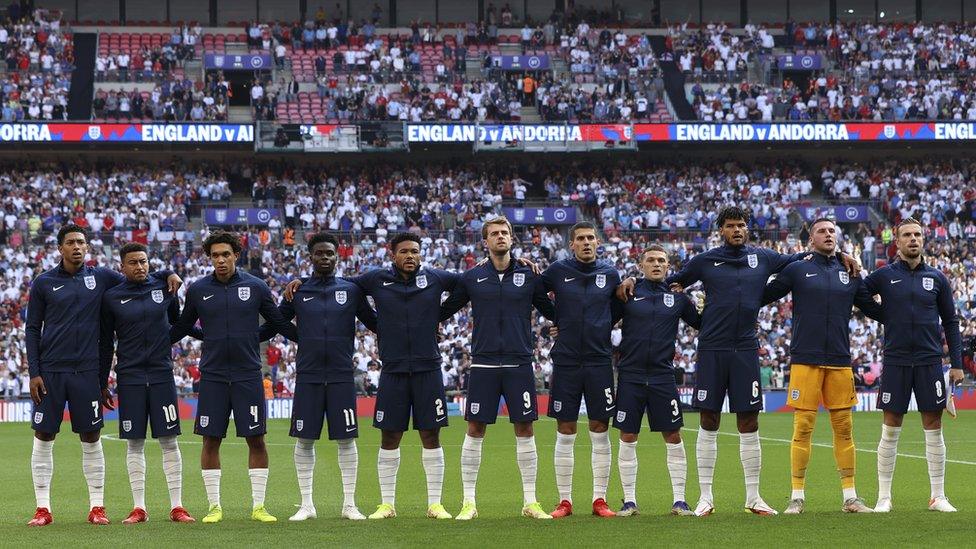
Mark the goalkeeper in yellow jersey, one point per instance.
(820, 358)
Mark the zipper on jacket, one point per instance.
(826, 320)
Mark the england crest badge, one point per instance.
(379, 416)
(157, 296)
(244, 293)
(422, 281)
(518, 279)
(702, 394)
(601, 280)
(669, 300)
(844, 277)
(557, 405)
(204, 421)
(299, 424)
(885, 398)
(928, 283)
(90, 282)
(753, 260)
(475, 407)
(126, 426)
(340, 297)
(621, 415)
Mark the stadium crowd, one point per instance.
(445, 204)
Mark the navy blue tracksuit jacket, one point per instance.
(139, 316)
(229, 314)
(63, 318)
(916, 308)
(501, 304)
(734, 279)
(586, 310)
(650, 330)
(326, 310)
(407, 316)
(823, 294)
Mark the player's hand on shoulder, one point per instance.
(553, 330)
(676, 288)
(291, 288)
(852, 264)
(530, 264)
(174, 283)
(625, 290)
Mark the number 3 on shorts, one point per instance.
(755, 389)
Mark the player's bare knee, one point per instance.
(89, 437)
(599, 426)
(256, 443)
(628, 437)
(566, 427)
(477, 429)
(710, 421)
(747, 422)
(671, 437)
(932, 420)
(390, 440)
(524, 429)
(211, 444)
(44, 437)
(892, 419)
(430, 439)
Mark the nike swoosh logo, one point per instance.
(173, 426)
(56, 288)
(252, 427)
(206, 297)
(97, 421)
(811, 274)
(940, 401)
(440, 419)
(610, 408)
(527, 412)
(751, 402)
(896, 281)
(675, 420)
(350, 429)
(639, 298)
(482, 279)
(569, 279)
(304, 299)
(717, 263)
(124, 301)
(387, 283)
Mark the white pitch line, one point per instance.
(822, 445)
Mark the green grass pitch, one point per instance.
(499, 494)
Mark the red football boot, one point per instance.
(179, 514)
(42, 517)
(564, 509)
(137, 515)
(601, 509)
(97, 516)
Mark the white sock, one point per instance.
(93, 465)
(470, 464)
(173, 470)
(211, 482)
(935, 454)
(259, 484)
(798, 494)
(349, 470)
(387, 465)
(600, 459)
(678, 469)
(627, 466)
(887, 451)
(433, 459)
(850, 493)
(750, 454)
(563, 459)
(528, 463)
(305, 468)
(42, 469)
(706, 452)
(135, 460)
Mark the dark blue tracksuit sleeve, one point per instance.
(950, 322)
(864, 300)
(361, 280)
(173, 312)
(778, 288)
(271, 315)
(184, 326)
(690, 313)
(267, 330)
(455, 301)
(540, 299)
(778, 261)
(35, 320)
(106, 343)
(688, 275)
(366, 314)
